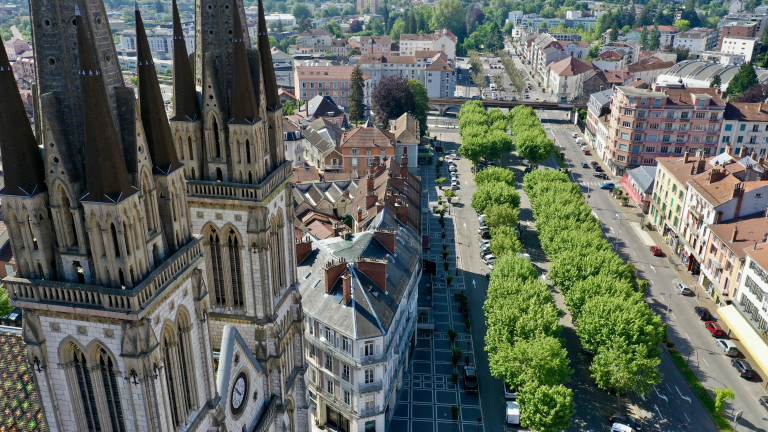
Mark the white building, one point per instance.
(160, 41)
(751, 301)
(697, 39)
(445, 42)
(563, 78)
(745, 129)
(314, 37)
(748, 47)
(359, 294)
(430, 68)
(294, 142)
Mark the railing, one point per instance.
(371, 387)
(371, 359)
(258, 192)
(325, 346)
(369, 412)
(332, 167)
(111, 299)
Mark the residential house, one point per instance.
(334, 81)
(294, 142)
(745, 129)
(668, 34)
(407, 138)
(318, 225)
(565, 78)
(648, 68)
(360, 146)
(577, 49)
(323, 107)
(322, 138)
(638, 185)
(359, 300)
(375, 45)
(441, 40)
(314, 37)
(696, 39)
(749, 47)
(286, 96)
(544, 50)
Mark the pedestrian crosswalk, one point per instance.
(592, 184)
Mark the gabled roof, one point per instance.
(406, 129)
(323, 106)
(439, 65)
(753, 112)
(367, 137)
(315, 32)
(305, 173)
(662, 29)
(570, 66)
(643, 177)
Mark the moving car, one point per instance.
(703, 313)
(513, 413)
(715, 329)
(744, 368)
(625, 420)
(600, 175)
(475, 97)
(607, 185)
(470, 379)
(764, 401)
(684, 289)
(656, 251)
(728, 347)
(584, 165)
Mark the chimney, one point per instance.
(370, 183)
(717, 174)
(701, 164)
(375, 269)
(760, 107)
(738, 193)
(333, 269)
(303, 249)
(718, 217)
(686, 155)
(370, 200)
(728, 149)
(401, 212)
(346, 280)
(761, 160)
(359, 214)
(404, 163)
(735, 233)
(387, 238)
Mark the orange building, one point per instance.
(360, 146)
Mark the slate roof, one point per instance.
(643, 177)
(604, 97)
(371, 311)
(20, 404)
(406, 129)
(323, 106)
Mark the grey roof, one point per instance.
(322, 106)
(313, 193)
(643, 177)
(603, 97)
(371, 311)
(550, 50)
(318, 141)
(705, 71)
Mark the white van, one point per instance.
(513, 413)
(618, 427)
(728, 347)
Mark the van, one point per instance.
(618, 427)
(728, 347)
(513, 413)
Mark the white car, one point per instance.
(489, 259)
(450, 152)
(452, 168)
(575, 135)
(484, 242)
(509, 392)
(513, 413)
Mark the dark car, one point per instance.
(600, 175)
(744, 368)
(703, 313)
(598, 168)
(626, 420)
(764, 401)
(475, 97)
(715, 329)
(470, 379)
(528, 169)
(656, 251)
(594, 163)
(584, 165)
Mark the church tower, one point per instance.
(241, 199)
(111, 279)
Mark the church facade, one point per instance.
(145, 245)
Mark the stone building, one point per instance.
(129, 278)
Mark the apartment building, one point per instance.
(760, 21)
(738, 29)
(359, 295)
(577, 49)
(747, 316)
(646, 124)
(599, 105)
(359, 147)
(543, 50)
(314, 37)
(696, 39)
(749, 47)
(375, 45)
(564, 78)
(331, 81)
(440, 79)
(407, 137)
(441, 40)
(745, 129)
(668, 34)
(160, 41)
(430, 68)
(733, 188)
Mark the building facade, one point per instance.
(331, 81)
(749, 47)
(745, 130)
(438, 41)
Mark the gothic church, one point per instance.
(144, 244)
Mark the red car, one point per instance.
(656, 251)
(586, 152)
(715, 329)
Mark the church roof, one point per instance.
(106, 176)
(20, 404)
(245, 109)
(267, 67)
(185, 105)
(152, 109)
(23, 168)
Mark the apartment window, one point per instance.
(684, 115)
(312, 85)
(368, 349)
(667, 126)
(346, 344)
(624, 135)
(742, 127)
(623, 147)
(368, 376)
(312, 351)
(353, 151)
(354, 162)
(713, 116)
(347, 397)
(681, 138)
(698, 127)
(737, 151)
(345, 372)
(636, 149)
(652, 137)
(369, 402)
(632, 100)
(335, 85)
(701, 115)
(650, 149)
(670, 115)
(739, 139)
(648, 161)
(620, 158)
(726, 139)
(368, 151)
(641, 114)
(312, 94)
(626, 124)
(728, 127)
(329, 335)
(329, 386)
(638, 137)
(665, 138)
(654, 126)
(678, 150)
(707, 150)
(312, 375)
(328, 362)
(663, 149)
(319, 85)
(629, 112)
(642, 101)
(657, 103)
(711, 140)
(756, 128)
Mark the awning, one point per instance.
(753, 343)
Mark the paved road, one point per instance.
(668, 408)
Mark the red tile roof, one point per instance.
(570, 66)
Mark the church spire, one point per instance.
(156, 129)
(24, 171)
(106, 177)
(244, 109)
(185, 104)
(267, 66)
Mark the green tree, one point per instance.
(546, 408)
(5, 305)
(397, 29)
(654, 40)
(273, 42)
(622, 366)
(410, 22)
(496, 193)
(723, 395)
(614, 36)
(331, 11)
(421, 104)
(496, 174)
(502, 216)
(290, 107)
(607, 318)
(134, 79)
(504, 241)
(356, 103)
(375, 25)
(540, 361)
(646, 15)
(354, 51)
(716, 81)
(644, 37)
(534, 146)
(301, 12)
(683, 25)
(450, 14)
(335, 29)
(743, 80)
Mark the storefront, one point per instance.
(756, 345)
(336, 419)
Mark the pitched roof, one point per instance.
(185, 104)
(381, 59)
(244, 108)
(582, 44)
(570, 66)
(152, 109)
(406, 129)
(322, 73)
(643, 176)
(323, 106)
(418, 37)
(718, 190)
(754, 112)
(315, 32)
(24, 170)
(648, 63)
(367, 137)
(439, 65)
(749, 230)
(267, 66)
(685, 96)
(682, 170)
(19, 399)
(662, 29)
(305, 173)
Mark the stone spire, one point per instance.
(106, 176)
(23, 166)
(267, 66)
(185, 104)
(156, 129)
(244, 109)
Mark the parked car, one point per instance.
(509, 392)
(527, 169)
(450, 152)
(625, 420)
(620, 427)
(584, 165)
(607, 185)
(575, 135)
(455, 186)
(684, 289)
(764, 401)
(715, 329)
(598, 168)
(728, 347)
(656, 251)
(470, 379)
(513, 413)
(484, 242)
(586, 152)
(600, 175)
(489, 259)
(594, 163)
(703, 313)
(744, 368)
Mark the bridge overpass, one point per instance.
(444, 105)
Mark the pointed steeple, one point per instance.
(244, 109)
(23, 166)
(106, 177)
(185, 104)
(156, 128)
(267, 66)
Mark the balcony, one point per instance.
(226, 190)
(369, 412)
(39, 294)
(371, 387)
(323, 345)
(327, 167)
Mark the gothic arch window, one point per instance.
(250, 178)
(248, 151)
(189, 146)
(85, 390)
(193, 174)
(69, 236)
(217, 271)
(146, 190)
(115, 243)
(186, 365)
(32, 235)
(219, 175)
(216, 143)
(111, 391)
(127, 239)
(177, 377)
(235, 269)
